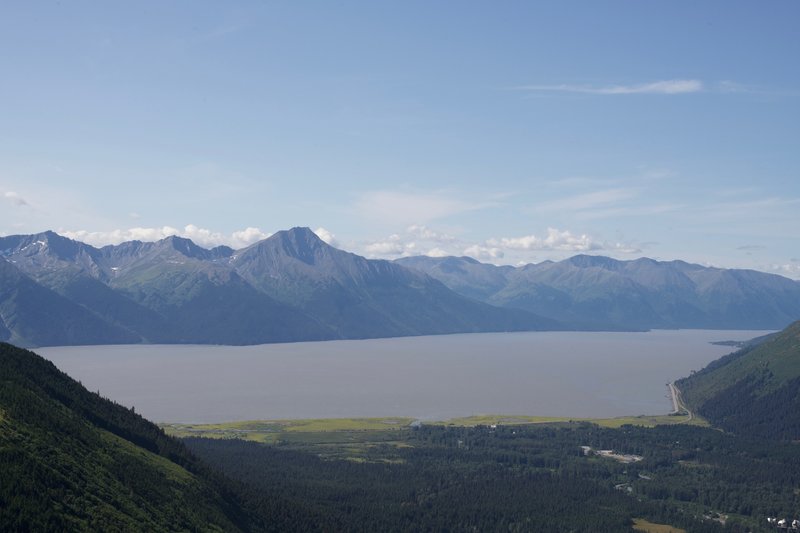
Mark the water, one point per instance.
(584, 374)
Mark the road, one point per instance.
(677, 402)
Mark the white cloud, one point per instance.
(15, 198)
(200, 236)
(102, 238)
(655, 87)
(391, 246)
(416, 240)
(790, 270)
(555, 240)
(419, 240)
(246, 237)
(326, 236)
(437, 252)
(426, 233)
(483, 253)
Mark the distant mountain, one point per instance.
(754, 391)
(595, 292)
(464, 275)
(289, 287)
(73, 461)
(293, 286)
(366, 298)
(201, 298)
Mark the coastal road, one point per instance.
(677, 402)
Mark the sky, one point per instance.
(512, 132)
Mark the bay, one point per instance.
(571, 374)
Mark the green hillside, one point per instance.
(755, 390)
(73, 461)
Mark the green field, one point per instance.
(642, 420)
(355, 437)
(346, 438)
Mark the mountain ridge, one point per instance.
(289, 287)
(597, 292)
(292, 286)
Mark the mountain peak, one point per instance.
(302, 233)
(184, 246)
(300, 243)
(594, 261)
(45, 244)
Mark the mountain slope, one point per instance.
(366, 298)
(595, 292)
(755, 390)
(464, 275)
(34, 315)
(80, 273)
(203, 299)
(290, 287)
(73, 461)
(167, 291)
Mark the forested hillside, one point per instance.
(754, 391)
(73, 461)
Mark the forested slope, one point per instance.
(755, 390)
(73, 461)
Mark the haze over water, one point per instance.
(573, 374)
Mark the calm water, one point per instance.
(585, 374)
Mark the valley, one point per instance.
(524, 472)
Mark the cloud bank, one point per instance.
(422, 240)
(201, 236)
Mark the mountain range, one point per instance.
(293, 286)
(600, 293)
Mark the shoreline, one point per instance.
(673, 391)
(679, 408)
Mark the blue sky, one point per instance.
(513, 132)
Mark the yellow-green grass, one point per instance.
(313, 429)
(642, 420)
(375, 439)
(337, 431)
(640, 524)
